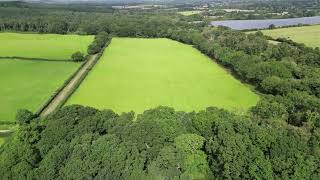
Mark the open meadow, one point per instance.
(137, 74)
(189, 13)
(309, 35)
(28, 84)
(43, 46)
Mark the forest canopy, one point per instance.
(80, 142)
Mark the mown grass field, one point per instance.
(309, 35)
(189, 13)
(138, 74)
(46, 46)
(28, 84)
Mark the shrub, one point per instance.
(24, 116)
(77, 57)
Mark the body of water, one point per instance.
(265, 23)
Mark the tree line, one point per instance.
(101, 40)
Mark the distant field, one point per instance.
(237, 10)
(28, 84)
(137, 74)
(47, 46)
(309, 35)
(189, 13)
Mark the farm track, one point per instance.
(67, 90)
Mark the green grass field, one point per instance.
(47, 46)
(138, 74)
(309, 35)
(189, 13)
(28, 84)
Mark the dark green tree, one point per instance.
(77, 57)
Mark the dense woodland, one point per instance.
(278, 139)
(84, 143)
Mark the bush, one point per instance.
(99, 42)
(24, 116)
(270, 110)
(77, 57)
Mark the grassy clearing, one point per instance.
(138, 74)
(28, 84)
(47, 46)
(189, 13)
(309, 35)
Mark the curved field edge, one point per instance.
(43, 46)
(28, 84)
(138, 74)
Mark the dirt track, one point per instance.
(63, 94)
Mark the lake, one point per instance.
(265, 23)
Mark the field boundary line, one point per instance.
(98, 56)
(62, 102)
(60, 97)
(60, 89)
(61, 94)
(17, 58)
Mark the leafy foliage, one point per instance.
(83, 143)
(77, 57)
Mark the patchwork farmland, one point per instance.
(137, 74)
(123, 90)
(32, 68)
